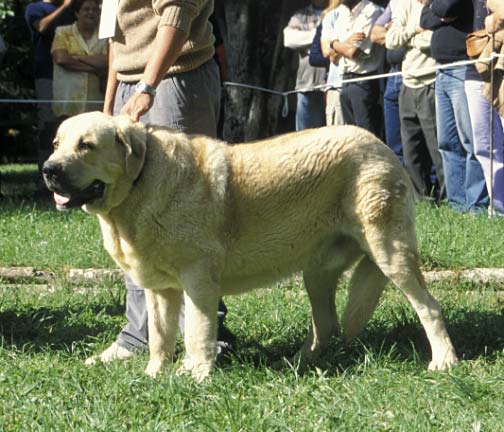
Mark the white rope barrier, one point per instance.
(285, 94)
(323, 87)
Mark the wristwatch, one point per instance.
(143, 87)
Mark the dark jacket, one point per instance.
(316, 58)
(448, 39)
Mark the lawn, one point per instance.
(378, 382)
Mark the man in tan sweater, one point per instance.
(417, 110)
(162, 72)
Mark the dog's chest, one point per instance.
(138, 261)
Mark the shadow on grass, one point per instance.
(55, 328)
(474, 335)
(39, 201)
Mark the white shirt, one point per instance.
(360, 19)
(334, 77)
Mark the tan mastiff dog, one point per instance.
(191, 217)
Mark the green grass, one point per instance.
(376, 383)
(379, 382)
(18, 179)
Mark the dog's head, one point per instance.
(96, 160)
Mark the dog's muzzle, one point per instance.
(65, 195)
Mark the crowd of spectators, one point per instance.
(431, 110)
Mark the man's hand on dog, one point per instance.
(138, 105)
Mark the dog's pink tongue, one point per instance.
(60, 200)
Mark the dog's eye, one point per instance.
(84, 146)
(55, 144)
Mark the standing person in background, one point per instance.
(360, 101)
(479, 111)
(394, 83)
(417, 100)
(42, 17)
(164, 75)
(80, 61)
(298, 35)
(451, 21)
(334, 113)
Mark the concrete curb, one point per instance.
(33, 276)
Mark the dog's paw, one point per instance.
(154, 368)
(199, 371)
(112, 353)
(445, 362)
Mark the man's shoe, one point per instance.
(226, 342)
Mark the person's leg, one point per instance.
(426, 109)
(334, 114)
(452, 152)
(367, 112)
(479, 110)
(391, 114)
(310, 110)
(476, 196)
(346, 104)
(416, 158)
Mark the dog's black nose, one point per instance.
(52, 169)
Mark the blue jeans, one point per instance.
(480, 110)
(465, 182)
(391, 113)
(310, 110)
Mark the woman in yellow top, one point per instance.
(80, 61)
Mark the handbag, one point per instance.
(475, 42)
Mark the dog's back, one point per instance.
(292, 194)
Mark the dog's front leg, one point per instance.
(201, 297)
(163, 307)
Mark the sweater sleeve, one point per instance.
(178, 14)
(446, 8)
(400, 32)
(422, 41)
(429, 20)
(296, 37)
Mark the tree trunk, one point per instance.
(252, 32)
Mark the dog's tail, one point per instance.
(366, 287)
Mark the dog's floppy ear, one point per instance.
(133, 136)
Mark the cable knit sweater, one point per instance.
(137, 24)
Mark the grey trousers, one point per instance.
(189, 102)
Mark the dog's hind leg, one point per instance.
(394, 251)
(366, 287)
(321, 279)
(163, 307)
